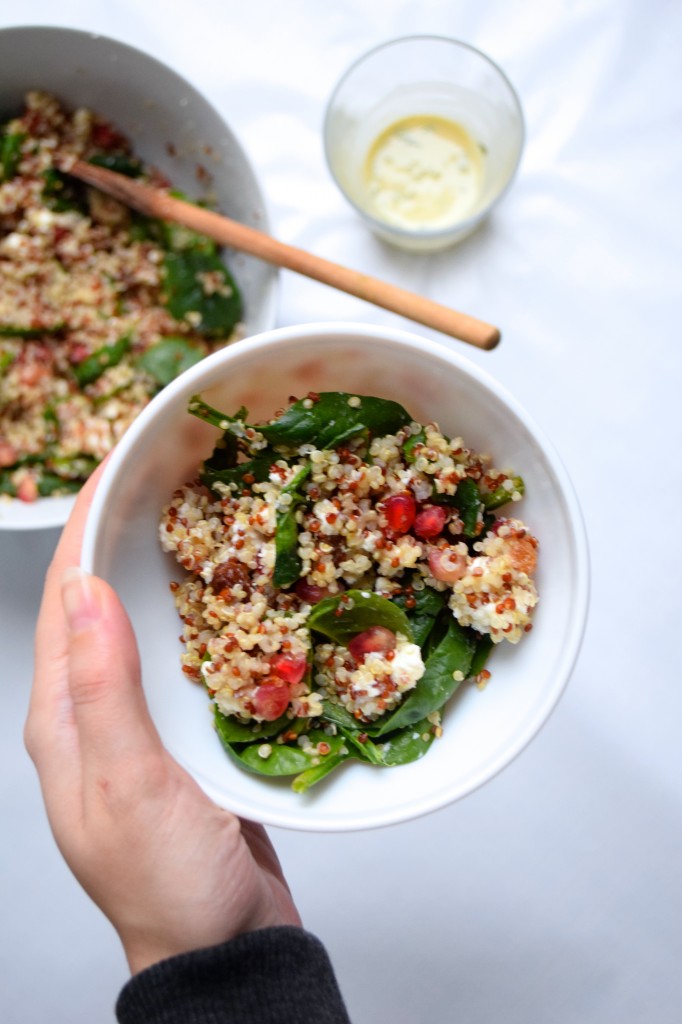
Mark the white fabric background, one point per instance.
(553, 894)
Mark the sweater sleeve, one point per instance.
(277, 975)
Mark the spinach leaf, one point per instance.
(185, 291)
(289, 759)
(231, 730)
(406, 745)
(243, 474)
(6, 359)
(313, 775)
(342, 617)
(330, 420)
(453, 654)
(409, 446)
(6, 485)
(13, 331)
(365, 749)
(73, 467)
(427, 606)
(287, 560)
(500, 496)
(484, 646)
(50, 483)
(10, 154)
(122, 163)
(467, 500)
(337, 714)
(93, 366)
(400, 747)
(62, 193)
(169, 358)
(203, 411)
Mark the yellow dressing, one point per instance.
(423, 171)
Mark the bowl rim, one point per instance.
(50, 512)
(340, 330)
(461, 227)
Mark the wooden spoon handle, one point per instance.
(154, 203)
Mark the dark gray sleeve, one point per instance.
(272, 976)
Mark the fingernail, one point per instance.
(78, 599)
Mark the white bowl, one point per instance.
(483, 731)
(161, 114)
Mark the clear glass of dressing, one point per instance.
(423, 135)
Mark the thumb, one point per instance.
(112, 718)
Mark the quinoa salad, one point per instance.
(100, 307)
(346, 569)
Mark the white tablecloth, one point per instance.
(552, 895)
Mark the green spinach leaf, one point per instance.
(484, 646)
(170, 357)
(453, 654)
(281, 759)
(406, 745)
(317, 772)
(287, 560)
(500, 496)
(6, 485)
(428, 604)
(93, 366)
(342, 617)
(187, 273)
(50, 483)
(329, 419)
(203, 411)
(10, 154)
(13, 331)
(244, 474)
(62, 193)
(231, 730)
(122, 163)
(410, 444)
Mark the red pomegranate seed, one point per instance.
(447, 564)
(375, 639)
(289, 667)
(8, 454)
(27, 490)
(430, 521)
(399, 510)
(309, 592)
(271, 700)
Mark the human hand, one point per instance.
(171, 870)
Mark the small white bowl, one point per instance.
(483, 731)
(171, 126)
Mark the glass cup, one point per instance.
(423, 135)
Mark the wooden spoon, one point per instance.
(154, 203)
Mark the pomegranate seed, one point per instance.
(430, 521)
(106, 137)
(309, 592)
(271, 700)
(289, 667)
(27, 490)
(400, 511)
(447, 564)
(376, 639)
(8, 454)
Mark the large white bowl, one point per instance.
(170, 125)
(483, 731)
